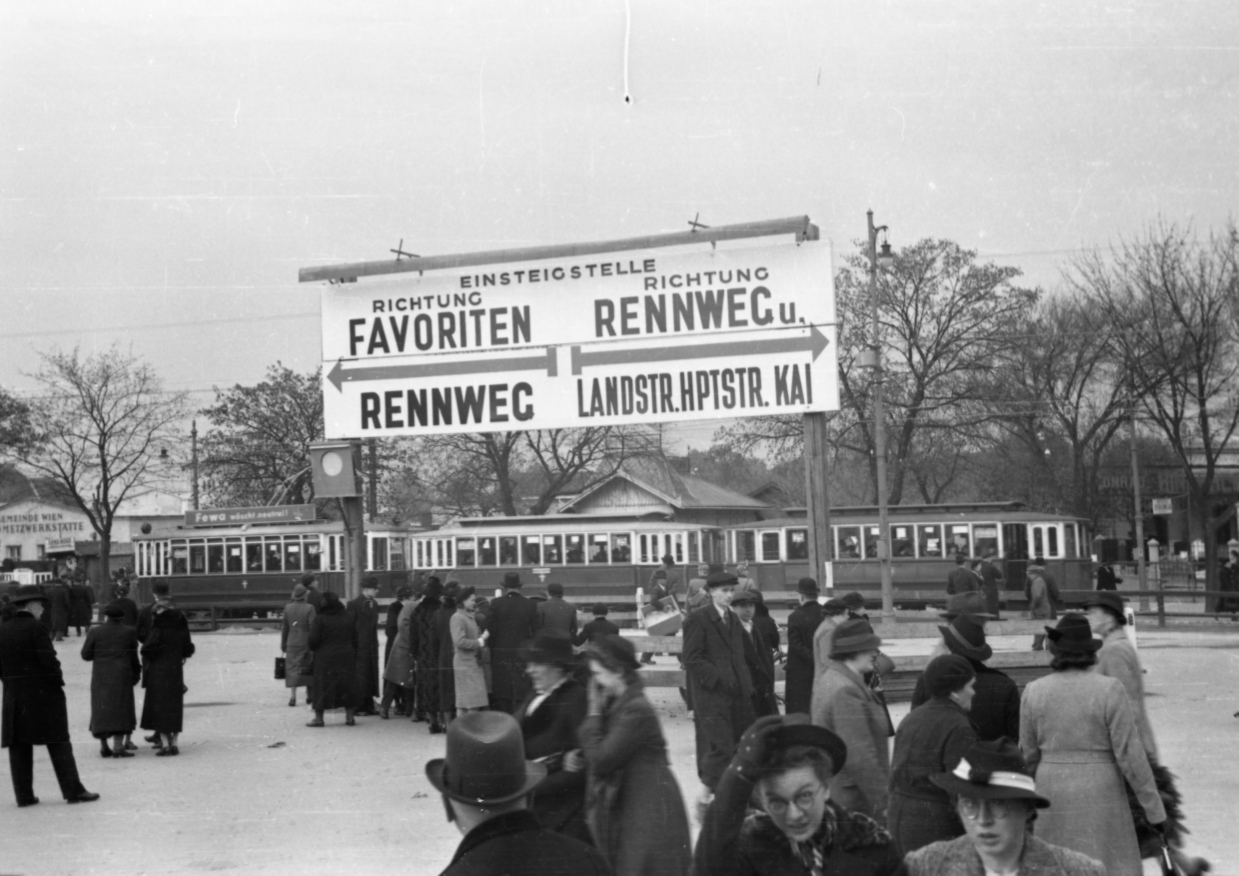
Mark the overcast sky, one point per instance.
(165, 168)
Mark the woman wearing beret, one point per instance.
(112, 647)
(295, 642)
(634, 807)
(1078, 733)
(931, 739)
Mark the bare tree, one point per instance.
(100, 423)
(16, 431)
(1171, 297)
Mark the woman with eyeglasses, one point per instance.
(784, 765)
(996, 798)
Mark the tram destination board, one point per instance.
(638, 336)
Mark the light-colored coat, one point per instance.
(844, 704)
(1078, 734)
(958, 857)
(1118, 659)
(400, 663)
(295, 643)
(466, 662)
(823, 636)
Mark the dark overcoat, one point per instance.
(991, 586)
(555, 615)
(760, 660)
(130, 608)
(365, 614)
(443, 643)
(333, 639)
(424, 645)
(391, 627)
(112, 647)
(60, 606)
(550, 733)
(633, 803)
(931, 739)
(720, 687)
(167, 648)
(512, 621)
(514, 844)
(801, 625)
(995, 708)
(962, 580)
(82, 600)
(595, 629)
(34, 710)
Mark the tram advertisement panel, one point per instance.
(638, 336)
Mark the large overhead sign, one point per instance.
(744, 328)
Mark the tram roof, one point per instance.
(1007, 512)
(315, 527)
(566, 523)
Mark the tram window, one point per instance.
(292, 554)
(798, 544)
(466, 552)
(274, 555)
(215, 556)
(694, 547)
(531, 550)
(929, 539)
(508, 550)
(576, 549)
(313, 554)
(746, 545)
(621, 548)
(234, 561)
(770, 552)
(599, 548)
(871, 542)
(253, 555)
(486, 552)
(449, 560)
(961, 539)
(378, 554)
(676, 546)
(180, 558)
(397, 553)
(1051, 541)
(985, 537)
(1069, 540)
(553, 549)
(197, 558)
(902, 542)
(1038, 542)
(849, 542)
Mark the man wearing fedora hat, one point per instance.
(485, 781)
(784, 766)
(512, 620)
(34, 711)
(996, 799)
(802, 624)
(720, 685)
(995, 710)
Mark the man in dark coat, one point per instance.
(168, 645)
(60, 604)
(315, 597)
(364, 611)
(128, 608)
(556, 615)
(512, 621)
(801, 625)
(485, 780)
(991, 581)
(34, 711)
(758, 655)
(719, 681)
(1107, 578)
(82, 603)
(962, 579)
(597, 628)
(995, 709)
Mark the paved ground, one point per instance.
(256, 791)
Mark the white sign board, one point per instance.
(641, 336)
(1163, 506)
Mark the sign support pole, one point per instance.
(354, 528)
(818, 495)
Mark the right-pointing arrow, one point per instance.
(788, 342)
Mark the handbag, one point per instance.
(280, 668)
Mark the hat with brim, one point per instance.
(114, 611)
(1105, 599)
(511, 580)
(721, 579)
(550, 649)
(991, 771)
(854, 635)
(971, 602)
(485, 762)
(797, 730)
(29, 593)
(965, 636)
(308, 580)
(834, 607)
(745, 597)
(807, 587)
(1073, 634)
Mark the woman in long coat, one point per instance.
(295, 643)
(634, 807)
(333, 639)
(112, 647)
(443, 641)
(81, 604)
(61, 608)
(1078, 734)
(468, 644)
(167, 648)
(425, 648)
(399, 673)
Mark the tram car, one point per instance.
(249, 571)
(925, 540)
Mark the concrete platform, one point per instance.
(256, 791)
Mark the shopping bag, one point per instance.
(279, 669)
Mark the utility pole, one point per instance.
(817, 492)
(372, 495)
(874, 361)
(193, 462)
(1141, 572)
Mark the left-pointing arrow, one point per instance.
(339, 375)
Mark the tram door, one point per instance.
(1015, 555)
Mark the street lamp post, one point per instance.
(874, 361)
